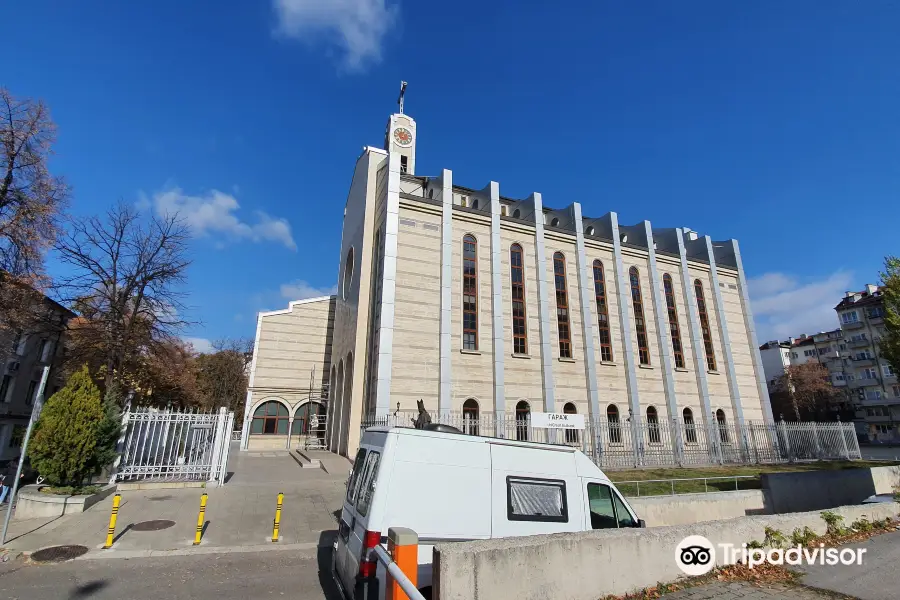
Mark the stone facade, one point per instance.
(399, 312)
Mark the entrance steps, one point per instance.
(306, 461)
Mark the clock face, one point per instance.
(402, 136)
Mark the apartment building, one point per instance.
(871, 382)
(23, 356)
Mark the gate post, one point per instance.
(218, 440)
(120, 445)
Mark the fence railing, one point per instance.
(624, 444)
(165, 445)
(693, 485)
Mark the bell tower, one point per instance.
(400, 136)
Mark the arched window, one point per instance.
(704, 326)
(270, 418)
(554, 222)
(571, 434)
(652, 425)
(562, 305)
(723, 426)
(612, 419)
(517, 213)
(475, 203)
(523, 410)
(306, 424)
(470, 416)
(348, 274)
(690, 432)
(517, 283)
(674, 330)
(639, 325)
(470, 293)
(606, 353)
(590, 230)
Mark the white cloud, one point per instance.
(201, 345)
(784, 307)
(358, 27)
(301, 290)
(214, 213)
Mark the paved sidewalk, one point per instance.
(722, 590)
(238, 517)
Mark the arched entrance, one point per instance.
(470, 416)
(332, 410)
(571, 434)
(309, 420)
(347, 400)
(338, 409)
(523, 411)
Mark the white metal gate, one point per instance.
(161, 445)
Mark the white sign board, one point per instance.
(557, 421)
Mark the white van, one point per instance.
(455, 487)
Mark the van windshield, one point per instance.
(353, 482)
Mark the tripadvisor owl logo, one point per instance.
(695, 555)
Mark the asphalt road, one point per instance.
(878, 578)
(288, 574)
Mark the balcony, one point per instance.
(852, 325)
(863, 362)
(861, 383)
(863, 343)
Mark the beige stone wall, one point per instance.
(611, 385)
(293, 344)
(740, 346)
(473, 372)
(522, 375)
(568, 373)
(415, 372)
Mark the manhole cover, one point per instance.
(159, 498)
(58, 553)
(152, 525)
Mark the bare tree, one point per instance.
(222, 376)
(127, 271)
(31, 200)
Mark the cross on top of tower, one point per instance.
(402, 93)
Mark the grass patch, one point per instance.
(692, 487)
(68, 490)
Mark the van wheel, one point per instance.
(426, 592)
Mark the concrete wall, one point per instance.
(590, 565)
(814, 490)
(684, 509)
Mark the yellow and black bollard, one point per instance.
(201, 519)
(277, 523)
(111, 531)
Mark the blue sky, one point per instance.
(775, 123)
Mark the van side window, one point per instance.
(529, 499)
(607, 509)
(367, 483)
(354, 475)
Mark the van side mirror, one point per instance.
(642, 524)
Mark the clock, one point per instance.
(402, 136)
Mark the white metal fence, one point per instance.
(628, 444)
(181, 446)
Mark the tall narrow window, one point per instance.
(723, 426)
(602, 313)
(517, 280)
(704, 327)
(690, 432)
(571, 434)
(562, 305)
(523, 411)
(653, 425)
(470, 416)
(674, 330)
(612, 419)
(639, 325)
(470, 293)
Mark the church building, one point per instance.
(495, 307)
